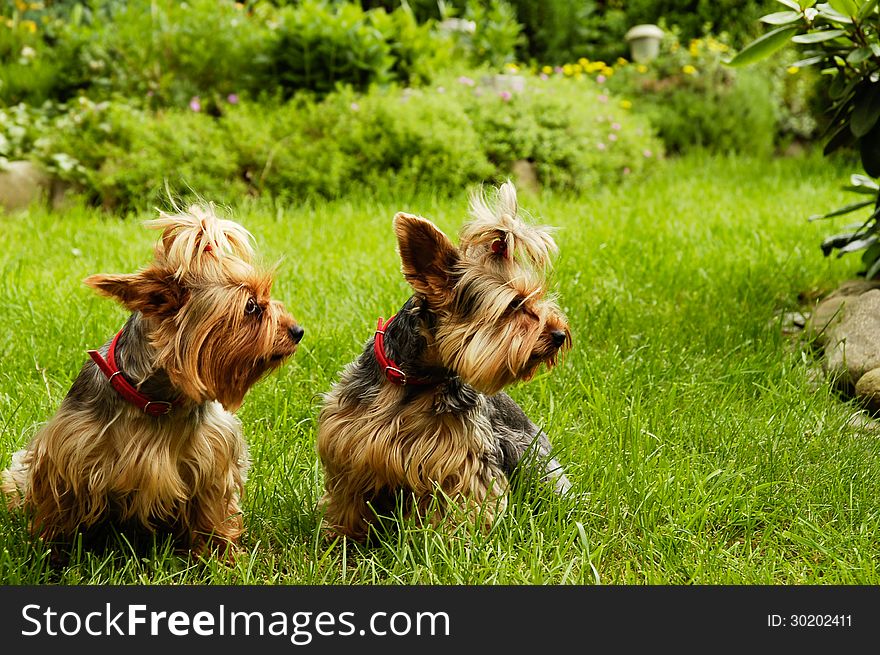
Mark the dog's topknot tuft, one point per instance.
(196, 240)
(498, 219)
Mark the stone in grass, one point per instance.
(852, 339)
(868, 389)
(22, 183)
(830, 310)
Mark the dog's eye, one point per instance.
(252, 308)
(515, 305)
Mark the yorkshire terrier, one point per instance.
(145, 440)
(418, 421)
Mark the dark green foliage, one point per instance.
(841, 37)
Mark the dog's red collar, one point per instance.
(393, 372)
(124, 388)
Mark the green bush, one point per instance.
(575, 135)
(29, 73)
(125, 156)
(441, 138)
(694, 101)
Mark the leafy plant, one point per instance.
(843, 38)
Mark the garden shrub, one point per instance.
(29, 73)
(694, 101)
(441, 138)
(575, 134)
(125, 156)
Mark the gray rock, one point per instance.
(852, 339)
(868, 389)
(23, 182)
(830, 309)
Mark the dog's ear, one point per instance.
(427, 255)
(153, 291)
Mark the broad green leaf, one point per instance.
(858, 55)
(845, 7)
(871, 254)
(866, 109)
(869, 148)
(791, 4)
(828, 13)
(863, 181)
(763, 46)
(842, 137)
(836, 241)
(843, 210)
(863, 190)
(818, 37)
(857, 244)
(806, 4)
(809, 61)
(868, 8)
(873, 269)
(781, 18)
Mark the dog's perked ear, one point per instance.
(427, 255)
(153, 291)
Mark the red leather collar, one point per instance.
(124, 388)
(392, 371)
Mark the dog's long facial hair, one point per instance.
(480, 318)
(202, 331)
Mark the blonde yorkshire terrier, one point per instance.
(418, 421)
(145, 440)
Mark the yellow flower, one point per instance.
(621, 61)
(626, 104)
(20, 5)
(29, 25)
(687, 69)
(512, 68)
(578, 69)
(583, 61)
(607, 71)
(567, 70)
(792, 70)
(642, 68)
(547, 70)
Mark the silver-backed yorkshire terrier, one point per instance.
(145, 440)
(419, 417)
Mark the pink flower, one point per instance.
(232, 99)
(601, 79)
(626, 170)
(544, 76)
(355, 106)
(603, 98)
(615, 126)
(601, 146)
(466, 81)
(195, 104)
(647, 153)
(558, 69)
(505, 96)
(441, 89)
(612, 137)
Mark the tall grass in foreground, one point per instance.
(699, 448)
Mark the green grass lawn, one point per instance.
(699, 448)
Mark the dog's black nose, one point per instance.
(558, 337)
(296, 333)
